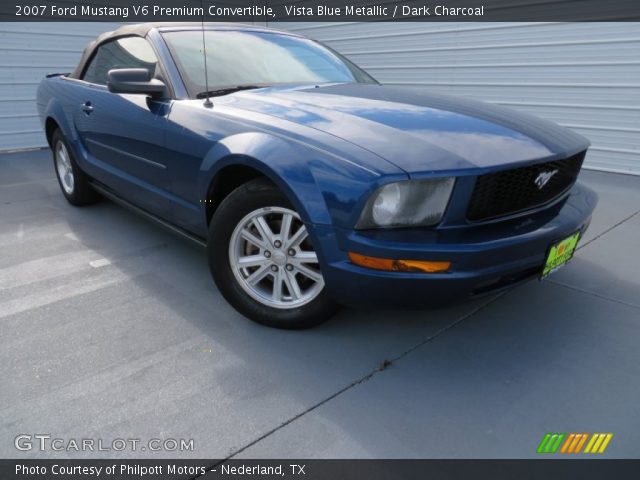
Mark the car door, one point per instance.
(124, 135)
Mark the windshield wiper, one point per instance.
(226, 90)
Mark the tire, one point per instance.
(244, 226)
(73, 182)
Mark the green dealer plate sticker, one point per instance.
(560, 253)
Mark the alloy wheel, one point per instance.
(273, 260)
(64, 168)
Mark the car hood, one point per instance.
(415, 131)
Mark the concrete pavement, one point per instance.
(111, 327)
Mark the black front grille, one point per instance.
(512, 191)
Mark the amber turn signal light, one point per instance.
(391, 265)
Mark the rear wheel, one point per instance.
(263, 261)
(73, 181)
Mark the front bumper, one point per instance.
(485, 258)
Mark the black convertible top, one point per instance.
(142, 29)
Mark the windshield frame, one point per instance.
(195, 92)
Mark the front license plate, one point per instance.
(560, 253)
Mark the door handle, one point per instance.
(87, 107)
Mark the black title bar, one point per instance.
(318, 469)
(319, 10)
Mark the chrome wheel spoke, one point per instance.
(278, 279)
(257, 276)
(298, 237)
(265, 231)
(251, 261)
(252, 239)
(285, 228)
(306, 257)
(309, 273)
(292, 285)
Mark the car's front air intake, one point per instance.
(516, 190)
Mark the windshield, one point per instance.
(236, 58)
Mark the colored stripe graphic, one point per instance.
(543, 443)
(598, 443)
(574, 443)
(565, 447)
(581, 443)
(550, 443)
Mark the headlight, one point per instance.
(408, 203)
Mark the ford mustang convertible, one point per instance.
(311, 184)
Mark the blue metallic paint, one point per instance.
(328, 148)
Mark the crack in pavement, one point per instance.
(589, 292)
(594, 294)
(383, 366)
(608, 230)
(388, 362)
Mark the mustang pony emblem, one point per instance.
(542, 179)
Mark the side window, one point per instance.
(128, 52)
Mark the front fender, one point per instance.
(322, 187)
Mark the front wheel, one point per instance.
(263, 261)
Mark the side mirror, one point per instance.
(134, 80)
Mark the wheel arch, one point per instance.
(50, 126)
(226, 180)
(244, 157)
(55, 118)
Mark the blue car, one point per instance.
(311, 184)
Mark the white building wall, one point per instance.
(28, 51)
(585, 76)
